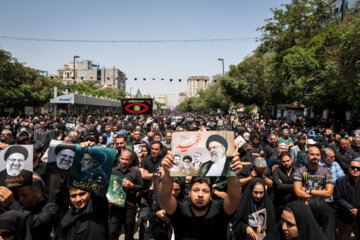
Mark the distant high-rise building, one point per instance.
(163, 99)
(182, 97)
(85, 70)
(196, 83)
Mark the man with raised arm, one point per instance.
(198, 217)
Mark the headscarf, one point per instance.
(15, 222)
(181, 182)
(324, 215)
(307, 226)
(247, 207)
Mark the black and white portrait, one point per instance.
(16, 165)
(61, 155)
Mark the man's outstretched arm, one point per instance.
(167, 199)
(234, 187)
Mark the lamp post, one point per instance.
(74, 71)
(222, 60)
(130, 91)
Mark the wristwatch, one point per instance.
(308, 191)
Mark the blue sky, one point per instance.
(139, 20)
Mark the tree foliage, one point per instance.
(306, 55)
(208, 100)
(22, 86)
(92, 88)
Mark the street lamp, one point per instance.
(130, 91)
(74, 71)
(222, 60)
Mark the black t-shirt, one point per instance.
(152, 167)
(187, 226)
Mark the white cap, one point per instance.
(310, 141)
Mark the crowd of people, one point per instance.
(294, 180)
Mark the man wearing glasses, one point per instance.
(15, 174)
(313, 179)
(347, 196)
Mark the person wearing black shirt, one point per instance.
(198, 218)
(283, 183)
(258, 169)
(341, 156)
(133, 183)
(120, 145)
(347, 196)
(271, 149)
(86, 218)
(149, 165)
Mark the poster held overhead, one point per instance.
(16, 166)
(202, 153)
(60, 157)
(91, 169)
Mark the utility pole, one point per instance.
(343, 9)
(74, 71)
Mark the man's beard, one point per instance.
(200, 208)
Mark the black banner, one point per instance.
(137, 106)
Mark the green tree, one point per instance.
(22, 86)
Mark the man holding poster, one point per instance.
(199, 217)
(132, 183)
(203, 153)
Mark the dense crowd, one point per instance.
(294, 180)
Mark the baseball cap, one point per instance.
(23, 130)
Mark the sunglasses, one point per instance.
(353, 168)
(6, 234)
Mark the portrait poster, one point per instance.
(202, 153)
(16, 166)
(91, 168)
(70, 127)
(116, 193)
(258, 220)
(137, 148)
(60, 157)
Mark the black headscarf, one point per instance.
(324, 215)
(181, 182)
(307, 226)
(15, 222)
(247, 207)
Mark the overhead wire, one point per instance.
(125, 41)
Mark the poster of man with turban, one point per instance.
(212, 151)
(91, 168)
(60, 157)
(116, 193)
(16, 166)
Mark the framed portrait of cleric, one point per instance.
(202, 153)
(258, 220)
(116, 193)
(91, 168)
(16, 166)
(137, 148)
(60, 157)
(70, 127)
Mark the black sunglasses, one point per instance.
(6, 234)
(353, 168)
